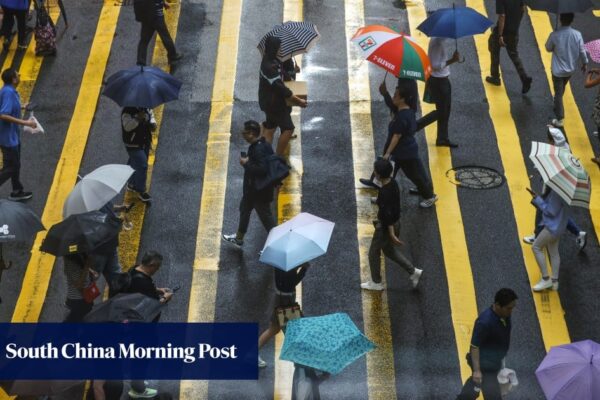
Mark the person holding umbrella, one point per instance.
(272, 95)
(506, 34)
(137, 125)
(387, 228)
(567, 48)
(592, 79)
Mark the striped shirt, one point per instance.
(76, 280)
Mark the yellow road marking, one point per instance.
(597, 13)
(579, 140)
(39, 269)
(381, 378)
(130, 240)
(289, 205)
(548, 308)
(208, 240)
(461, 289)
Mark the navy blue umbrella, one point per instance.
(141, 86)
(454, 23)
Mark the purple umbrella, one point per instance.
(571, 371)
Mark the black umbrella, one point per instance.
(81, 233)
(132, 307)
(140, 86)
(296, 38)
(560, 6)
(18, 223)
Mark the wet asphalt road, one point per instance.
(425, 356)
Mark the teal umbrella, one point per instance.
(328, 343)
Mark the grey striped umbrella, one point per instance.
(296, 38)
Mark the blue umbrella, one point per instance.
(141, 86)
(328, 343)
(454, 23)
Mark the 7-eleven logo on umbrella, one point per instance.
(367, 43)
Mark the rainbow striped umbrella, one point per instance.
(395, 52)
(563, 173)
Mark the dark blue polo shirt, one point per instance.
(10, 104)
(491, 335)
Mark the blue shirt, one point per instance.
(10, 104)
(491, 335)
(15, 4)
(555, 212)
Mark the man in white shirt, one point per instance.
(566, 45)
(439, 87)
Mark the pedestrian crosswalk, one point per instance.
(460, 280)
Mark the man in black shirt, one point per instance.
(255, 164)
(506, 34)
(489, 345)
(387, 229)
(150, 13)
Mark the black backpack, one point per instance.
(120, 282)
(144, 10)
(277, 171)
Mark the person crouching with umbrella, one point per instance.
(79, 275)
(555, 215)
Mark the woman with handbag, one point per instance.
(285, 303)
(592, 79)
(81, 286)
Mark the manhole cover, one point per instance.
(475, 177)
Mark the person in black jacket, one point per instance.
(272, 95)
(151, 14)
(255, 165)
(285, 295)
(137, 125)
(387, 229)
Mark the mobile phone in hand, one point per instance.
(243, 154)
(175, 288)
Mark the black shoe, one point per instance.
(20, 195)
(177, 57)
(526, 85)
(413, 191)
(446, 143)
(493, 80)
(367, 182)
(144, 197)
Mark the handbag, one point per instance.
(427, 97)
(277, 170)
(288, 313)
(90, 292)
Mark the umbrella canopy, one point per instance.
(563, 173)
(593, 48)
(140, 86)
(132, 307)
(37, 387)
(297, 241)
(454, 23)
(328, 343)
(296, 38)
(395, 52)
(571, 371)
(18, 222)
(81, 233)
(560, 6)
(97, 188)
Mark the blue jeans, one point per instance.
(138, 160)
(108, 265)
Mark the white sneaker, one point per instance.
(414, 278)
(370, 285)
(147, 394)
(559, 123)
(428, 202)
(529, 239)
(373, 200)
(261, 363)
(232, 239)
(543, 284)
(555, 284)
(581, 240)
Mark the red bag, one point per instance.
(90, 292)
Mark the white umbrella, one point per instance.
(297, 241)
(97, 188)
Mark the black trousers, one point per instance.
(159, 26)
(9, 20)
(415, 171)
(511, 42)
(11, 166)
(263, 209)
(78, 309)
(489, 385)
(441, 94)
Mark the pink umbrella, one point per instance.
(593, 48)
